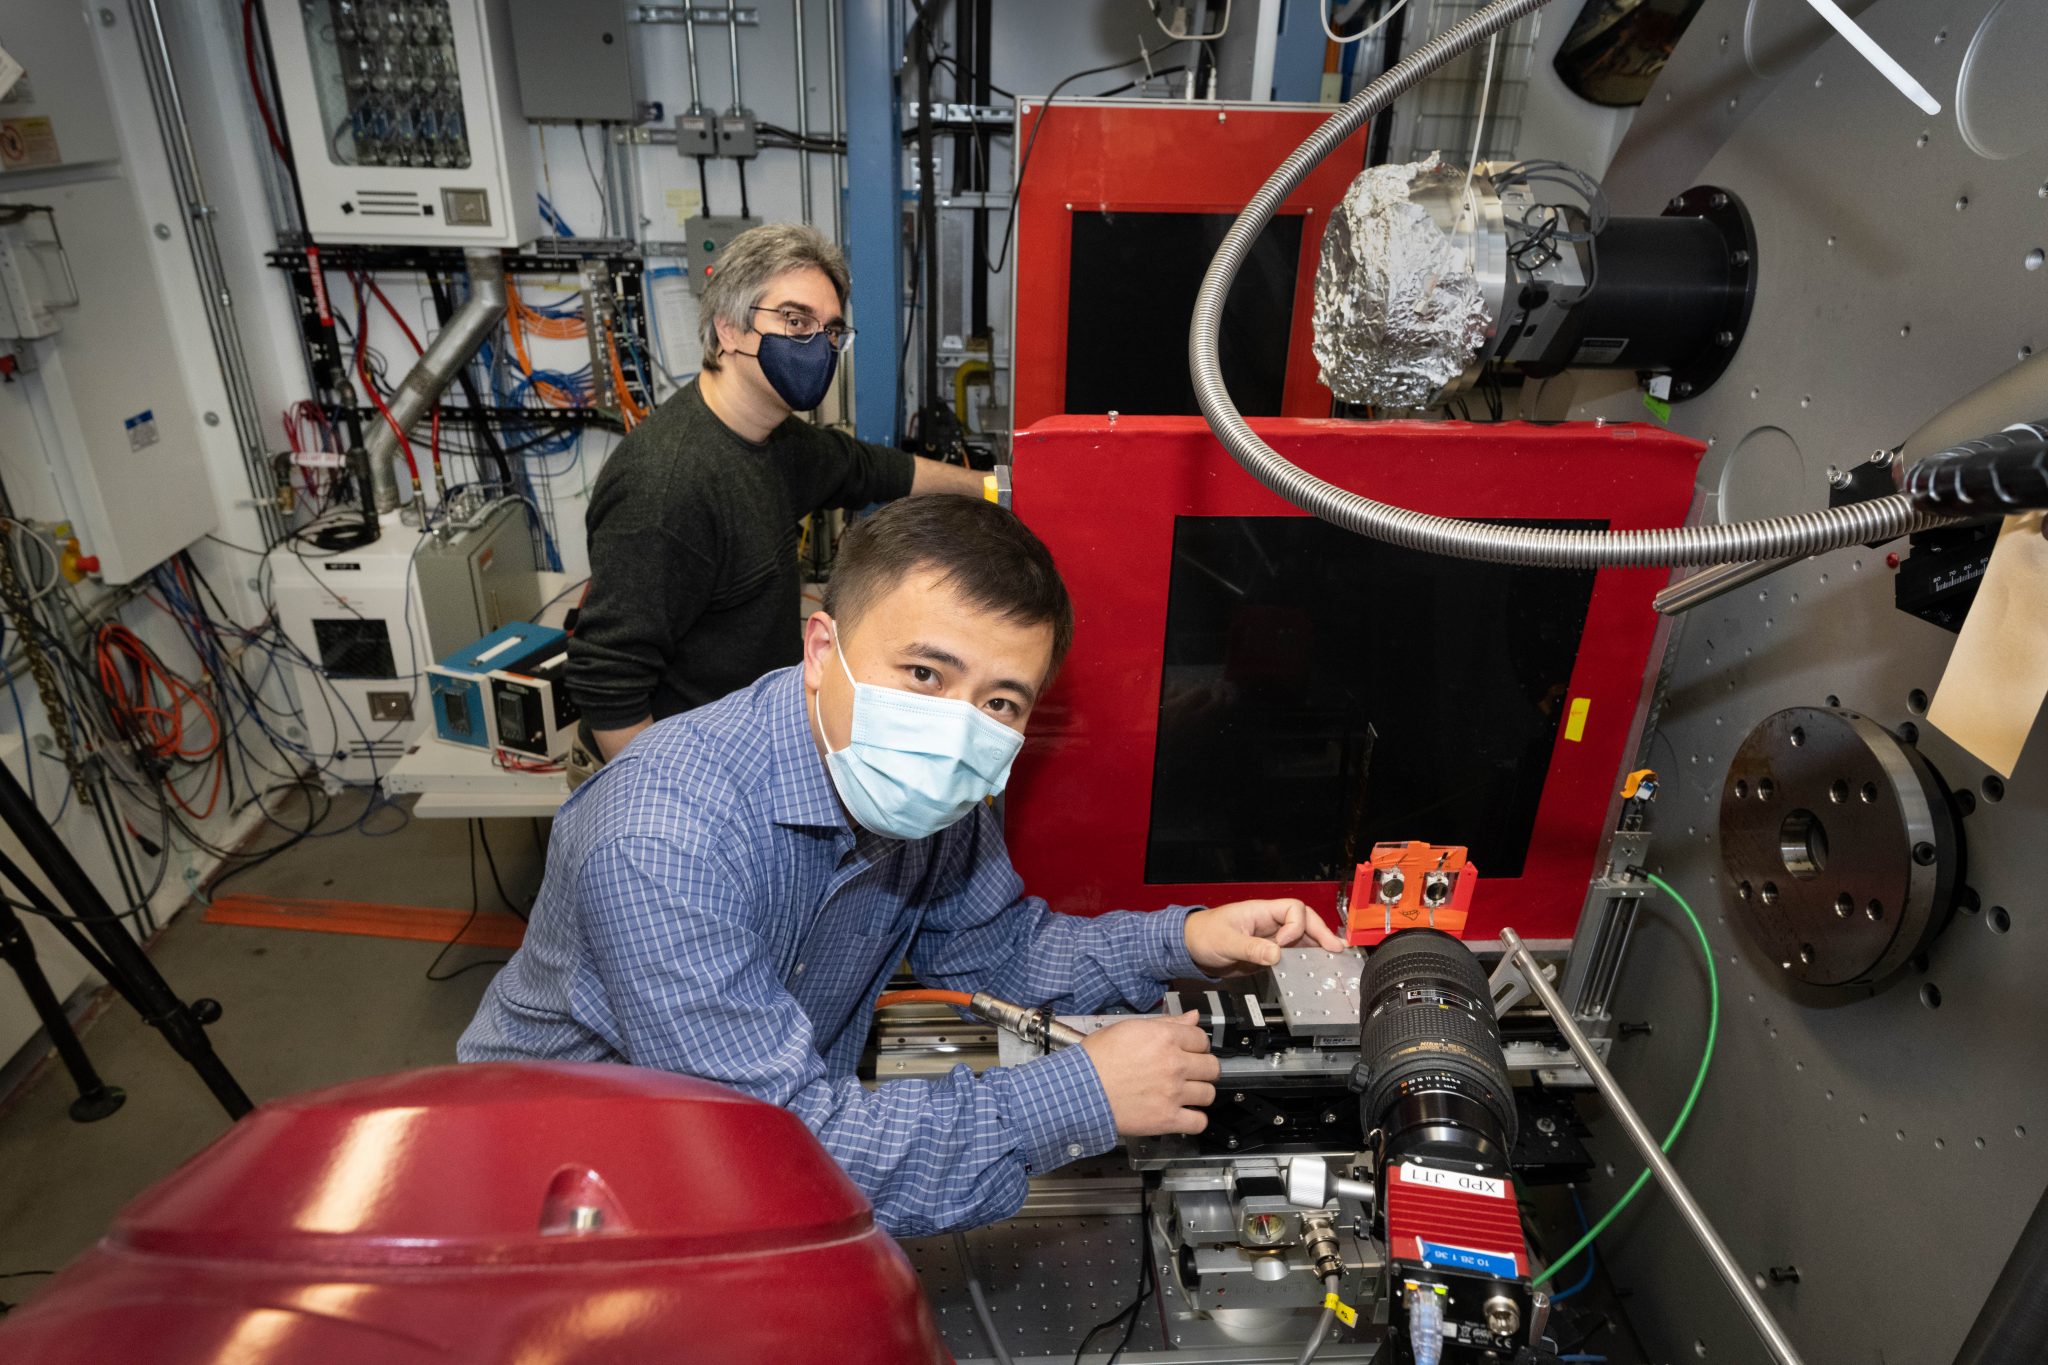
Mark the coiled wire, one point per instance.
(1802, 534)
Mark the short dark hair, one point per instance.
(980, 550)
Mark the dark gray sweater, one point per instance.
(693, 570)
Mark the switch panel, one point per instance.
(706, 240)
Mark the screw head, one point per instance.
(106, 18)
(1719, 201)
(1740, 257)
(1724, 338)
(163, 232)
(212, 419)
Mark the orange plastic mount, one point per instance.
(1410, 886)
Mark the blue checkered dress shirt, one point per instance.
(709, 909)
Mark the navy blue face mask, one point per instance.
(800, 371)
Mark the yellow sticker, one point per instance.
(1346, 1314)
(685, 204)
(1575, 719)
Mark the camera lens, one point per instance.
(1433, 1078)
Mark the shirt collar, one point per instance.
(800, 790)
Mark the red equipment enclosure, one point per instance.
(1104, 496)
(558, 1212)
(1157, 156)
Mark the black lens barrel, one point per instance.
(1431, 1073)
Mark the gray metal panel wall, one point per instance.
(1890, 1150)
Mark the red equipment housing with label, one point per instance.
(566, 1212)
(1433, 1209)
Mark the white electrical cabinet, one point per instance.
(404, 120)
(104, 407)
(355, 615)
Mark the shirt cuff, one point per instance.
(1058, 1110)
(1167, 931)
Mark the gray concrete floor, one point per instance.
(300, 1010)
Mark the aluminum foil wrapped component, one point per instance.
(1399, 312)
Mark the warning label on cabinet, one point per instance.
(141, 429)
(26, 143)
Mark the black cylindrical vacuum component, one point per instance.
(1665, 296)
(1432, 1077)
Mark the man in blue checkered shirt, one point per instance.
(727, 897)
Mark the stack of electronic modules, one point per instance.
(507, 694)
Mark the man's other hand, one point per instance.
(1158, 1073)
(1247, 936)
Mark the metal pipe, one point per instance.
(836, 164)
(1708, 584)
(832, 108)
(696, 76)
(1802, 534)
(219, 304)
(803, 114)
(732, 49)
(431, 374)
(1774, 1338)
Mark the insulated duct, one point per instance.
(1777, 537)
(430, 376)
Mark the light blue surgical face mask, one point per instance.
(915, 765)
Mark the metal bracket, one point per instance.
(994, 200)
(1510, 988)
(964, 115)
(696, 14)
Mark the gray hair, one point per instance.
(747, 265)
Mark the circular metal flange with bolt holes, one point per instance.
(1839, 845)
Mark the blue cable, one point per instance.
(1592, 1260)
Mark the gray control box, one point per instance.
(705, 239)
(737, 136)
(573, 60)
(696, 135)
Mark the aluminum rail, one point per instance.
(431, 374)
(1774, 1338)
(1776, 538)
(1695, 589)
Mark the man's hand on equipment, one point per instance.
(1158, 1073)
(1247, 936)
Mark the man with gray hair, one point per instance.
(692, 526)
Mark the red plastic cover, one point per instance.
(559, 1212)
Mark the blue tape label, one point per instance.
(1464, 1258)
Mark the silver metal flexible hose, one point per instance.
(1774, 538)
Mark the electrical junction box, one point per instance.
(574, 61)
(477, 578)
(460, 684)
(737, 136)
(696, 134)
(535, 716)
(706, 237)
(405, 121)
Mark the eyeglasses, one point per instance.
(802, 327)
